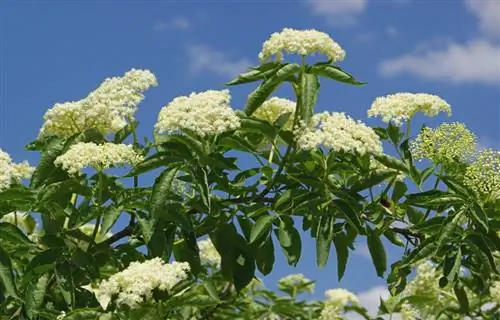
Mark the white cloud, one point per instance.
(338, 12)
(488, 13)
(474, 62)
(177, 23)
(205, 58)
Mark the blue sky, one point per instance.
(55, 51)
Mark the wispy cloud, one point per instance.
(177, 23)
(338, 13)
(488, 13)
(475, 61)
(204, 58)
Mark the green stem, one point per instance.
(99, 204)
(435, 186)
(408, 129)
(271, 153)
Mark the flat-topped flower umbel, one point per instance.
(301, 42)
(136, 283)
(444, 144)
(10, 172)
(97, 156)
(400, 107)
(206, 113)
(107, 109)
(338, 132)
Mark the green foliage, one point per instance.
(200, 191)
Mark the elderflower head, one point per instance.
(408, 312)
(208, 253)
(275, 107)
(426, 283)
(296, 281)
(335, 303)
(483, 175)
(98, 156)
(106, 109)
(338, 132)
(447, 143)
(400, 107)
(495, 292)
(10, 172)
(302, 42)
(136, 283)
(205, 113)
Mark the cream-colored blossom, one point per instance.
(10, 172)
(338, 132)
(426, 283)
(495, 292)
(447, 143)
(296, 280)
(136, 283)
(107, 109)
(341, 297)
(335, 303)
(209, 254)
(483, 175)
(275, 107)
(400, 107)
(98, 156)
(408, 312)
(206, 113)
(23, 220)
(301, 42)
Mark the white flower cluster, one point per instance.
(426, 283)
(338, 132)
(275, 107)
(106, 109)
(408, 312)
(400, 107)
(298, 281)
(136, 283)
(205, 113)
(483, 175)
(209, 254)
(335, 303)
(447, 143)
(302, 42)
(495, 292)
(98, 156)
(11, 172)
